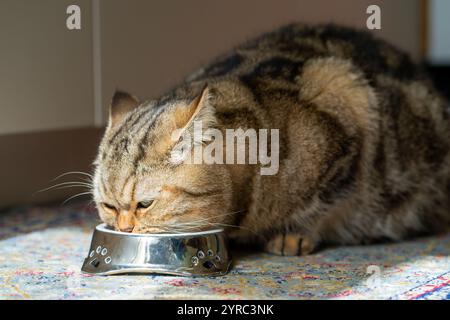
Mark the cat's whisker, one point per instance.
(201, 223)
(90, 202)
(184, 228)
(146, 227)
(196, 223)
(73, 172)
(192, 226)
(75, 196)
(87, 180)
(212, 217)
(218, 215)
(69, 183)
(171, 227)
(187, 228)
(74, 182)
(72, 186)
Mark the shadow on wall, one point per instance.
(33, 160)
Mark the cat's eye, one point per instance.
(108, 206)
(145, 204)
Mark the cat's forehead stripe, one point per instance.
(135, 117)
(127, 179)
(129, 128)
(115, 164)
(143, 147)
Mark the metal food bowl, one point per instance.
(187, 254)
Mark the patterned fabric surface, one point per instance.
(42, 249)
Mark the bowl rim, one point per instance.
(104, 229)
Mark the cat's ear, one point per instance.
(121, 104)
(199, 112)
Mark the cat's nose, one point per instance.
(125, 221)
(127, 229)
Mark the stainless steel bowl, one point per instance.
(186, 254)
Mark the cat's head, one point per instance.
(142, 182)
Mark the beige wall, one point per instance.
(30, 161)
(45, 69)
(147, 46)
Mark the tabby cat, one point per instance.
(364, 141)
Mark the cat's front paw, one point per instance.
(290, 244)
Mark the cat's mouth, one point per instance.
(161, 230)
(137, 230)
